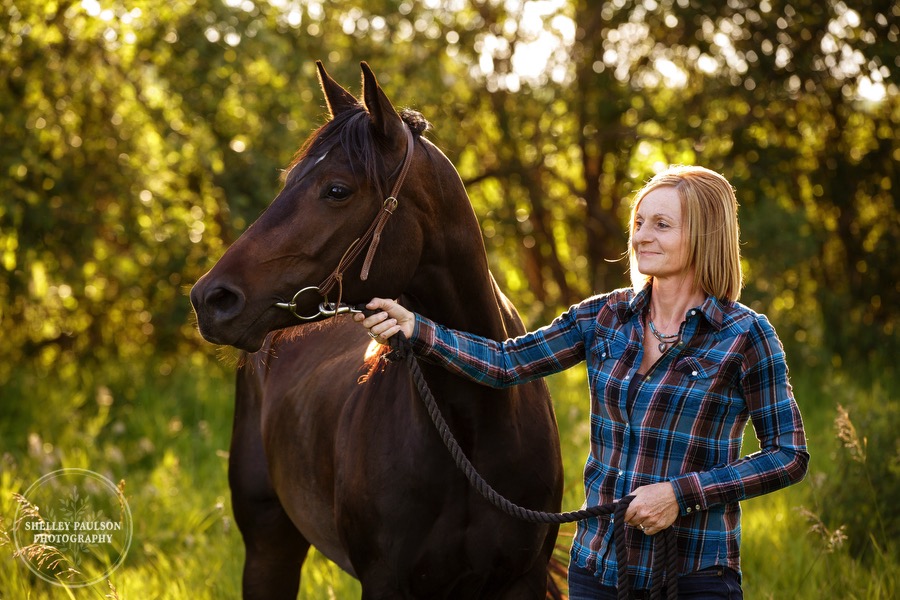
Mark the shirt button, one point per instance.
(603, 355)
(693, 313)
(621, 472)
(688, 509)
(694, 373)
(697, 507)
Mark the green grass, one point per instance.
(164, 429)
(165, 432)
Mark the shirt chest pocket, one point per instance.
(705, 382)
(606, 351)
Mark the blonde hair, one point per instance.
(709, 209)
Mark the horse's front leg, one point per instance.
(275, 552)
(275, 549)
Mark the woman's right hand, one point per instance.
(390, 318)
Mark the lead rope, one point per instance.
(665, 554)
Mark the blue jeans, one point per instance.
(716, 583)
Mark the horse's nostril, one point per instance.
(225, 301)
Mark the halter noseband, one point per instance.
(372, 237)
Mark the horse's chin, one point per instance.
(245, 343)
(250, 345)
(250, 337)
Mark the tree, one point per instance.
(795, 102)
(141, 138)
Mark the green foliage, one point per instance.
(140, 138)
(866, 479)
(160, 432)
(165, 433)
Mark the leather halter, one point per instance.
(372, 237)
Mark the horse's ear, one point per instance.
(337, 98)
(384, 118)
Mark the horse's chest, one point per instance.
(338, 449)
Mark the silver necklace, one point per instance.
(663, 339)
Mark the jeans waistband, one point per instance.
(713, 571)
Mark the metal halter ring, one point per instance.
(326, 308)
(292, 305)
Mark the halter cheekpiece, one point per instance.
(372, 237)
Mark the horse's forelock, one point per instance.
(352, 130)
(359, 145)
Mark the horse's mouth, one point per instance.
(248, 337)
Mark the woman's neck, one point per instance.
(670, 300)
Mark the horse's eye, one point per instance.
(337, 191)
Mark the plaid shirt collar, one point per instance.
(712, 309)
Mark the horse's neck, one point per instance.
(457, 290)
(468, 302)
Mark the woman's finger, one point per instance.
(385, 328)
(390, 318)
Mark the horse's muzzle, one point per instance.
(216, 306)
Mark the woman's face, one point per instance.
(660, 239)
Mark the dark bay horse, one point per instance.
(331, 447)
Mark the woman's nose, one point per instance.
(640, 235)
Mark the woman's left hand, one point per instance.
(653, 508)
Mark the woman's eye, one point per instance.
(337, 192)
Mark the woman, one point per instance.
(676, 367)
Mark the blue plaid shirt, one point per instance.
(684, 426)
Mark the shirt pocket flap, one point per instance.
(696, 368)
(605, 348)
